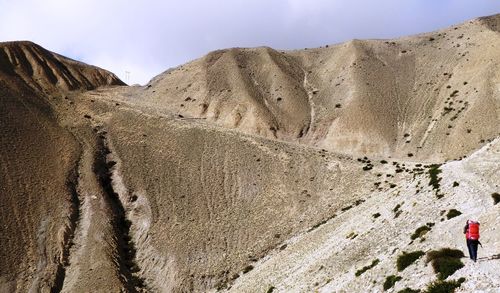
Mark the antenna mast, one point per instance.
(127, 76)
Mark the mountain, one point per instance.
(253, 169)
(25, 67)
(429, 96)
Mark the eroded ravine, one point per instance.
(128, 268)
(102, 254)
(69, 232)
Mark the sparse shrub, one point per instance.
(445, 267)
(409, 290)
(440, 286)
(453, 213)
(346, 208)
(271, 289)
(496, 197)
(406, 259)
(359, 201)
(444, 252)
(247, 269)
(420, 231)
(390, 281)
(221, 285)
(383, 162)
(445, 261)
(366, 268)
(455, 184)
(376, 215)
(367, 167)
(434, 171)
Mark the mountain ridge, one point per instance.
(27, 67)
(333, 97)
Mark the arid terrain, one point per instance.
(253, 169)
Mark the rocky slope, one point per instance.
(327, 259)
(251, 169)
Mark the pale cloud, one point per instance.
(147, 37)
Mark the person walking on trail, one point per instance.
(471, 231)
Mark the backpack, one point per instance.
(473, 231)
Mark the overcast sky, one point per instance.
(149, 36)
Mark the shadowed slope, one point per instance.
(38, 174)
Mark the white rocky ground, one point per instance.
(326, 259)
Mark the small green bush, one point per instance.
(434, 171)
(366, 268)
(444, 252)
(440, 286)
(446, 266)
(247, 269)
(390, 281)
(409, 290)
(367, 167)
(406, 259)
(376, 215)
(445, 261)
(453, 213)
(419, 232)
(271, 289)
(346, 208)
(496, 197)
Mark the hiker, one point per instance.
(471, 231)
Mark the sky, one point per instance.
(147, 37)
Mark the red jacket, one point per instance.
(471, 230)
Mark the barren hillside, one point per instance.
(38, 174)
(253, 170)
(432, 95)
